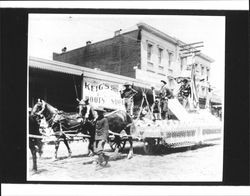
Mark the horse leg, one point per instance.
(57, 143)
(40, 147)
(130, 154)
(91, 143)
(67, 145)
(34, 158)
(33, 151)
(91, 147)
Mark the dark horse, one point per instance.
(118, 121)
(35, 143)
(60, 122)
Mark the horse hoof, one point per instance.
(130, 156)
(91, 154)
(116, 151)
(54, 159)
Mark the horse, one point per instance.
(35, 143)
(60, 122)
(118, 121)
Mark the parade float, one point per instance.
(191, 126)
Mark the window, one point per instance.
(203, 91)
(202, 70)
(208, 74)
(170, 83)
(160, 51)
(183, 62)
(149, 52)
(170, 58)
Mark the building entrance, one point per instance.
(58, 89)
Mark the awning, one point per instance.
(57, 66)
(54, 66)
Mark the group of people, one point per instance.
(159, 107)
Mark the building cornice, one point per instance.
(166, 37)
(156, 32)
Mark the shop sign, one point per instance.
(102, 93)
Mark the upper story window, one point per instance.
(149, 51)
(183, 62)
(203, 91)
(170, 58)
(202, 70)
(160, 52)
(208, 73)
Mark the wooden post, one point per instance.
(82, 85)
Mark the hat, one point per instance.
(126, 84)
(164, 81)
(185, 80)
(100, 109)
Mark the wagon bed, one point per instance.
(176, 134)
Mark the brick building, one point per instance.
(144, 53)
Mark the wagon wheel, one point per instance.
(150, 146)
(117, 143)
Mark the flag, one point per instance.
(194, 93)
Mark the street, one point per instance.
(203, 163)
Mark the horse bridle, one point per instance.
(39, 113)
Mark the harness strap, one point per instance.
(129, 125)
(118, 134)
(75, 135)
(36, 136)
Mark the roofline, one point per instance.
(157, 32)
(169, 38)
(206, 57)
(58, 66)
(98, 42)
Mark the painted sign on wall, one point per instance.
(102, 93)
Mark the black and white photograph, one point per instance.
(115, 97)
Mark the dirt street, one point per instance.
(196, 164)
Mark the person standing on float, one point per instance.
(127, 94)
(165, 94)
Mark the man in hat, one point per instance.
(128, 94)
(184, 92)
(165, 94)
(208, 98)
(86, 110)
(156, 108)
(101, 137)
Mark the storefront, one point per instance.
(60, 84)
(59, 89)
